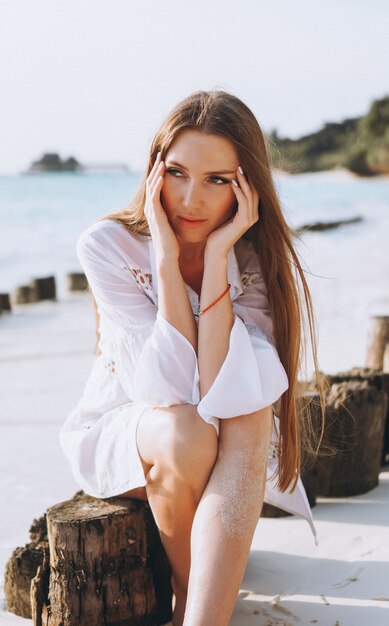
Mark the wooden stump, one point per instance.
(25, 294)
(385, 364)
(21, 568)
(377, 379)
(45, 287)
(355, 422)
(103, 564)
(5, 302)
(76, 281)
(378, 338)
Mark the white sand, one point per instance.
(46, 351)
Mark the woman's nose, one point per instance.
(193, 196)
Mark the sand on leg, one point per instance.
(226, 518)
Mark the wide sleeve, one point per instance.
(154, 362)
(252, 375)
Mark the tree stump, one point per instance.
(355, 423)
(25, 294)
(377, 379)
(45, 287)
(385, 364)
(378, 338)
(76, 281)
(5, 302)
(104, 564)
(21, 568)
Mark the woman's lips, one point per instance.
(189, 223)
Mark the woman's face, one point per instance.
(197, 184)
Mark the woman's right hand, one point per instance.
(164, 239)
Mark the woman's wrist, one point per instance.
(212, 253)
(166, 264)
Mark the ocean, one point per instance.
(42, 215)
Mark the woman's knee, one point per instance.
(252, 432)
(181, 441)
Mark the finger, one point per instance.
(246, 201)
(158, 172)
(155, 166)
(153, 205)
(242, 200)
(251, 193)
(155, 195)
(255, 200)
(243, 182)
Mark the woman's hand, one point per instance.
(225, 236)
(163, 236)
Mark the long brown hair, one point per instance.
(221, 113)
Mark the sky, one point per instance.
(95, 78)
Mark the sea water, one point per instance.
(42, 215)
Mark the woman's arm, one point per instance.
(173, 301)
(215, 325)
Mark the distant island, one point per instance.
(360, 144)
(52, 162)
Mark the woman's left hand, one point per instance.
(225, 236)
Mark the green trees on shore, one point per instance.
(358, 144)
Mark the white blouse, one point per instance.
(156, 365)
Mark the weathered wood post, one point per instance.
(385, 365)
(103, 565)
(46, 287)
(355, 424)
(25, 294)
(76, 281)
(378, 339)
(5, 302)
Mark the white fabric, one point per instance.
(147, 362)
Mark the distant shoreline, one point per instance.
(52, 163)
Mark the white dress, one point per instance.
(147, 362)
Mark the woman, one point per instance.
(196, 290)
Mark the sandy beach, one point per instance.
(46, 351)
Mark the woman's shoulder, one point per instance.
(111, 239)
(108, 228)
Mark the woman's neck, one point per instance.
(192, 254)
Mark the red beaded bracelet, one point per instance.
(213, 303)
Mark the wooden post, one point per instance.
(378, 338)
(46, 288)
(5, 302)
(100, 563)
(76, 281)
(385, 366)
(25, 294)
(355, 424)
(98, 573)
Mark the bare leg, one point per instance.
(178, 450)
(226, 518)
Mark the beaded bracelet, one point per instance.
(213, 303)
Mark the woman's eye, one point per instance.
(173, 171)
(223, 181)
(218, 180)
